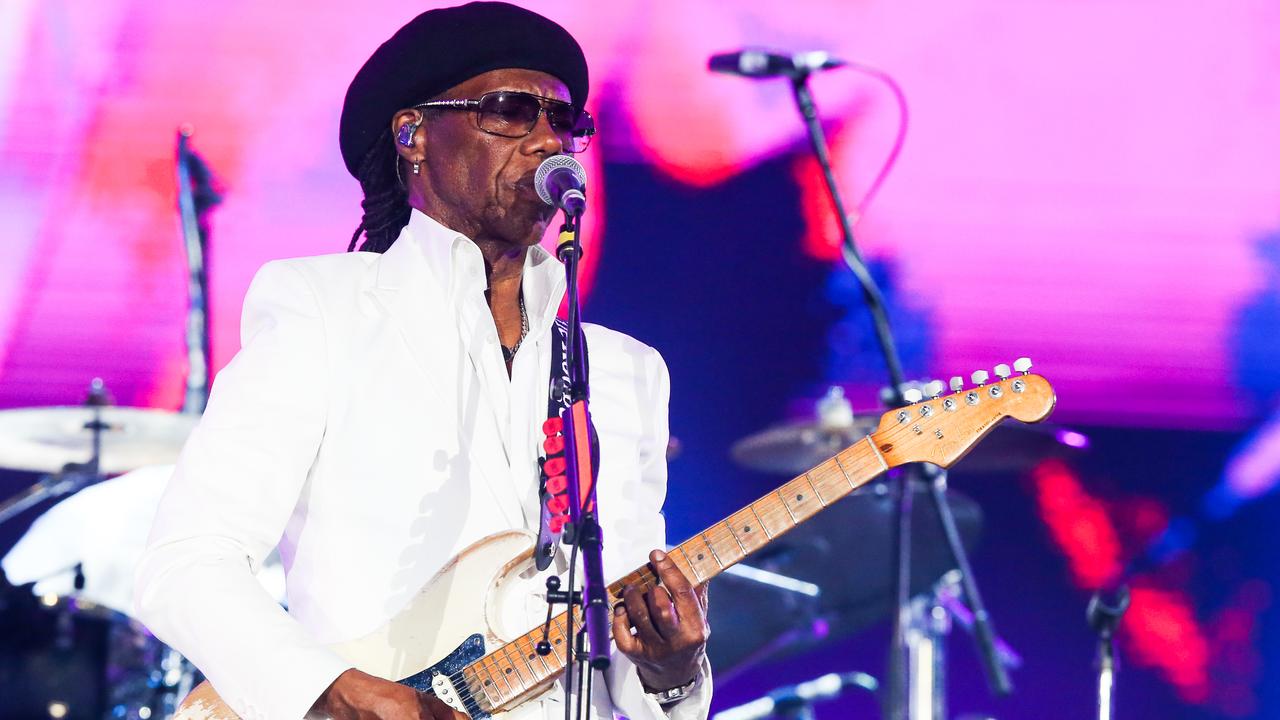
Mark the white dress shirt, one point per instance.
(369, 428)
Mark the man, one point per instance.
(385, 410)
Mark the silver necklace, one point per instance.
(509, 353)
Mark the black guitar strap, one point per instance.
(554, 501)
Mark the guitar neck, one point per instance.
(514, 670)
(710, 552)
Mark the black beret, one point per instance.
(442, 48)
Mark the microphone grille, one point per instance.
(555, 162)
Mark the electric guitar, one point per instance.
(447, 643)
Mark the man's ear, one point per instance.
(410, 136)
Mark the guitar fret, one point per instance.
(488, 698)
(772, 514)
(492, 679)
(817, 493)
(531, 680)
(714, 554)
(783, 500)
(687, 561)
(884, 465)
(700, 556)
(734, 535)
(844, 472)
(495, 662)
(530, 653)
(478, 682)
(728, 546)
(759, 522)
(510, 672)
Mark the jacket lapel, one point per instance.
(417, 303)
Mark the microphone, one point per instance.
(826, 687)
(562, 183)
(764, 64)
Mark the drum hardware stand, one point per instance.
(73, 476)
(196, 196)
(897, 706)
(1104, 616)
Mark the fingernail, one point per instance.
(619, 610)
(659, 556)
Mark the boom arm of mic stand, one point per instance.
(996, 674)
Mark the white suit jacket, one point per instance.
(368, 427)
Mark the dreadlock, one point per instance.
(386, 205)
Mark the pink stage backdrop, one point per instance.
(1084, 183)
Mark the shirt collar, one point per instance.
(457, 264)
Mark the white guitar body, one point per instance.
(478, 601)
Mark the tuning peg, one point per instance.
(957, 384)
(1022, 365)
(934, 388)
(1002, 371)
(912, 395)
(980, 377)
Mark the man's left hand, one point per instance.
(670, 627)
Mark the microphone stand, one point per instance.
(997, 677)
(582, 460)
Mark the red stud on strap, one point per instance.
(553, 426)
(553, 445)
(556, 522)
(557, 484)
(558, 503)
(554, 466)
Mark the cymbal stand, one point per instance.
(73, 476)
(896, 701)
(196, 196)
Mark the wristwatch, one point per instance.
(675, 694)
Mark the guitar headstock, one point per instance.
(942, 428)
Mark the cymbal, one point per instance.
(795, 447)
(47, 439)
(847, 551)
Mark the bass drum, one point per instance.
(67, 646)
(63, 658)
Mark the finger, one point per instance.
(638, 614)
(682, 594)
(627, 643)
(662, 612)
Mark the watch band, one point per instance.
(675, 694)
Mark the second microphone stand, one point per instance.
(997, 677)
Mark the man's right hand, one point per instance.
(361, 696)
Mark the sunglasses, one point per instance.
(514, 114)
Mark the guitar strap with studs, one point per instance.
(553, 494)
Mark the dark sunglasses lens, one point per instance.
(584, 127)
(508, 114)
